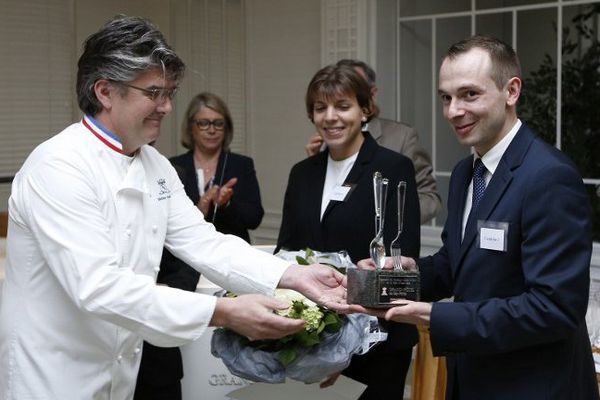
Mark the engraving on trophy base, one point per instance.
(380, 288)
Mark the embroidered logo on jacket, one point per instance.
(163, 191)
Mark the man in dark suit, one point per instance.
(399, 137)
(516, 246)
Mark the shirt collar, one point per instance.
(104, 135)
(491, 159)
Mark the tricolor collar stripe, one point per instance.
(105, 137)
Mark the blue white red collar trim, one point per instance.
(106, 137)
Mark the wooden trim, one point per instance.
(3, 223)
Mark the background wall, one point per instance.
(258, 55)
(283, 52)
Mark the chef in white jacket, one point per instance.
(89, 214)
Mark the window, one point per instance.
(37, 74)
(37, 79)
(560, 71)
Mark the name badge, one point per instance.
(340, 193)
(493, 235)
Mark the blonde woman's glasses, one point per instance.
(204, 124)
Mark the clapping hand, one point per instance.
(208, 198)
(225, 193)
(219, 196)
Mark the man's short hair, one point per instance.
(369, 72)
(120, 51)
(505, 62)
(339, 80)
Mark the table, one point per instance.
(202, 372)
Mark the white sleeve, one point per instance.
(61, 206)
(226, 260)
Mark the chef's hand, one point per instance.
(314, 144)
(252, 316)
(321, 284)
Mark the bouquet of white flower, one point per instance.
(324, 347)
(318, 321)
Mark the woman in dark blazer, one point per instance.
(329, 206)
(224, 187)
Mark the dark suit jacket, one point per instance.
(516, 329)
(245, 210)
(164, 365)
(350, 225)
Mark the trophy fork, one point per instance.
(377, 247)
(395, 247)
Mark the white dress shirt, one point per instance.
(490, 160)
(337, 172)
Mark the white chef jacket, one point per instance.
(87, 225)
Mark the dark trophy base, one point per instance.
(379, 288)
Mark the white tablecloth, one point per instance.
(205, 376)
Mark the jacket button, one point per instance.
(119, 358)
(154, 228)
(136, 350)
(156, 269)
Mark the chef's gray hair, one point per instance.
(120, 51)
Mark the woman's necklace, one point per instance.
(208, 166)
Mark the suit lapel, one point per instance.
(314, 196)
(220, 172)
(510, 161)
(497, 186)
(463, 175)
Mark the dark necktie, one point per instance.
(478, 183)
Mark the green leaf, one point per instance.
(307, 339)
(298, 306)
(308, 253)
(321, 327)
(286, 356)
(286, 339)
(332, 322)
(301, 261)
